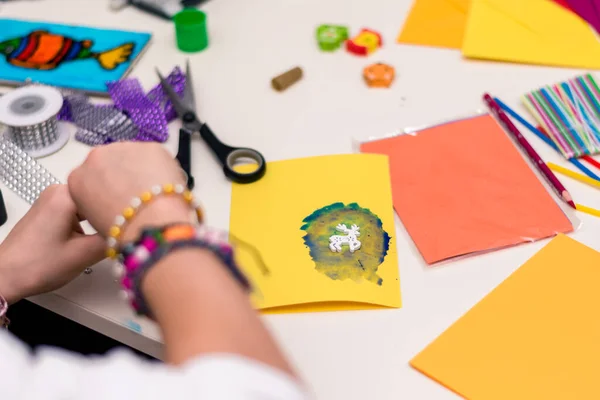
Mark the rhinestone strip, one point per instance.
(21, 173)
(35, 137)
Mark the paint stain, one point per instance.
(364, 262)
(134, 326)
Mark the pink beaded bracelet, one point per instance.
(155, 243)
(4, 321)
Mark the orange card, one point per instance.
(463, 187)
(536, 336)
(437, 23)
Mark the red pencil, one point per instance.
(591, 161)
(530, 151)
(541, 129)
(585, 158)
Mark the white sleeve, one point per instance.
(53, 374)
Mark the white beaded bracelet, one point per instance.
(114, 233)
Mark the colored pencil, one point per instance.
(574, 175)
(544, 138)
(584, 169)
(587, 210)
(530, 151)
(578, 163)
(591, 161)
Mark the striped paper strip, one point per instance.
(570, 113)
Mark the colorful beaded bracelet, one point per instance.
(114, 233)
(155, 243)
(4, 321)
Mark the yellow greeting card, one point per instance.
(324, 227)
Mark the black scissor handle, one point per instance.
(245, 153)
(228, 156)
(184, 155)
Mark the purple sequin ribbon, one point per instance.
(135, 115)
(96, 124)
(150, 112)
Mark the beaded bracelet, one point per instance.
(155, 243)
(114, 233)
(4, 321)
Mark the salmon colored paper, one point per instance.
(437, 23)
(463, 187)
(538, 32)
(325, 229)
(536, 336)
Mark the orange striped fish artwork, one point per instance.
(43, 50)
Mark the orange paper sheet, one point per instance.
(536, 336)
(463, 187)
(437, 23)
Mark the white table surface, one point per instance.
(343, 355)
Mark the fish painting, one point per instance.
(42, 50)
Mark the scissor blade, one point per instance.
(177, 102)
(188, 92)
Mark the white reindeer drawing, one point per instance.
(336, 241)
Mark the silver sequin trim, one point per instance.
(21, 173)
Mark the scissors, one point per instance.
(227, 155)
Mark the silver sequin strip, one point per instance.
(99, 124)
(35, 137)
(21, 173)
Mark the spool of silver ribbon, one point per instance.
(30, 112)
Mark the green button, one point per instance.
(331, 37)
